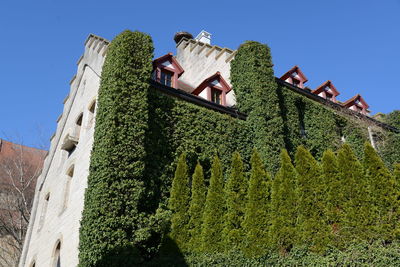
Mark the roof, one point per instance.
(352, 100)
(210, 79)
(322, 86)
(294, 69)
(171, 58)
(27, 157)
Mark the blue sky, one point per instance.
(354, 43)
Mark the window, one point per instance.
(216, 96)
(44, 210)
(328, 96)
(92, 109)
(295, 82)
(67, 189)
(57, 256)
(78, 125)
(166, 78)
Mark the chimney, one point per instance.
(204, 37)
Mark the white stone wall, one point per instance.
(58, 223)
(200, 61)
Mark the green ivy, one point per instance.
(117, 228)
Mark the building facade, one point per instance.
(200, 70)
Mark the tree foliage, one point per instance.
(312, 228)
(235, 195)
(214, 211)
(383, 196)
(179, 204)
(257, 219)
(196, 208)
(284, 205)
(335, 199)
(356, 197)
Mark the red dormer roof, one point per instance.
(356, 100)
(322, 87)
(168, 62)
(297, 70)
(216, 81)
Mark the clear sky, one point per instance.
(354, 43)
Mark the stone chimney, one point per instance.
(204, 37)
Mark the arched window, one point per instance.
(44, 210)
(92, 110)
(57, 256)
(67, 189)
(78, 125)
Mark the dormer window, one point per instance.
(358, 104)
(166, 78)
(295, 77)
(327, 90)
(166, 70)
(214, 89)
(216, 96)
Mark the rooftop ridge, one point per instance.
(199, 47)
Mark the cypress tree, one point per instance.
(253, 81)
(256, 224)
(383, 195)
(214, 211)
(235, 195)
(356, 197)
(179, 204)
(312, 228)
(284, 205)
(334, 196)
(115, 225)
(196, 208)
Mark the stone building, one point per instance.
(198, 73)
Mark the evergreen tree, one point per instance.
(257, 221)
(253, 81)
(356, 206)
(214, 211)
(235, 195)
(179, 204)
(312, 228)
(284, 205)
(334, 196)
(383, 195)
(196, 208)
(117, 224)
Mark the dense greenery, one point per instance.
(257, 217)
(140, 134)
(179, 204)
(235, 192)
(118, 223)
(324, 208)
(312, 227)
(196, 208)
(214, 211)
(391, 149)
(253, 82)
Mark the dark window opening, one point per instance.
(166, 78)
(329, 96)
(216, 96)
(92, 107)
(295, 82)
(79, 120)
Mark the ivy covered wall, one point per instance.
(141, 131)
